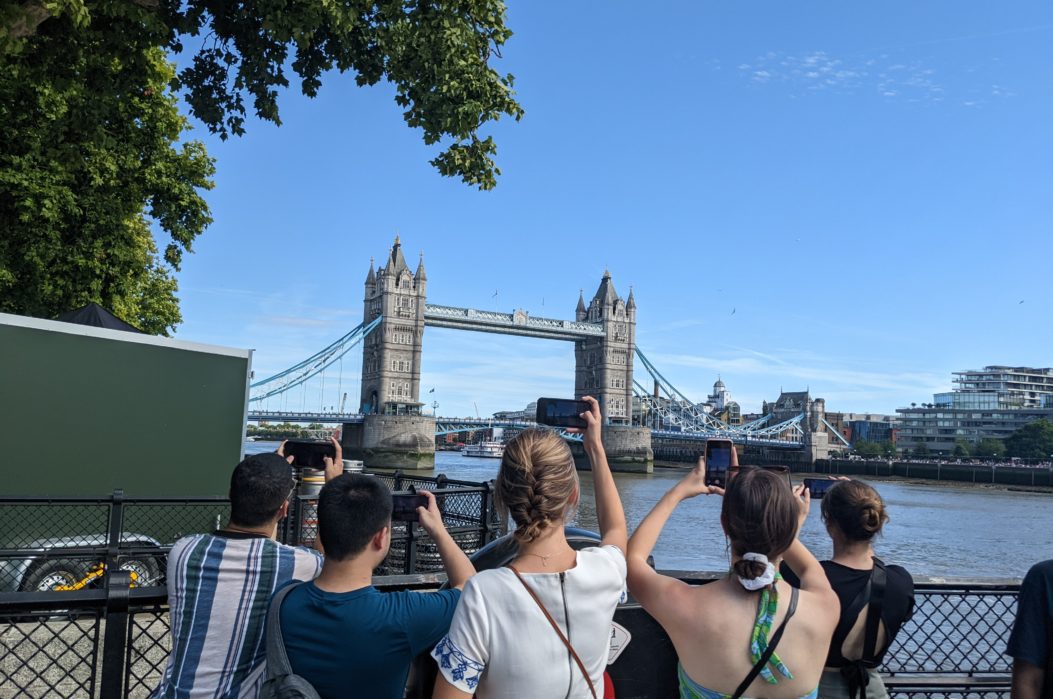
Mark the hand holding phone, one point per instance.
(562, 412)
(718, 461)
(309, 453)
(404, 506)
(817, 487)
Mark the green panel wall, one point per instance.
(83, 415)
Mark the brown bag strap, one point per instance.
(555, 626)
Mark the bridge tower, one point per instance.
(604, 365)
(604, 370)
(393, 433)
(391, 353)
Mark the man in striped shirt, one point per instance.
(220, 584)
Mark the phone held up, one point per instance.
(309, 453)
(718, 461)
(404, 506)
(817, 487)
(562, 412)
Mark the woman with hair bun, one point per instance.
(875, 599)
(749, 633)
(541, 626)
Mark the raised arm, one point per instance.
(800, 559)
(458, 567)
(659, 594)
(609, 513)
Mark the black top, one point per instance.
(1032, 637)
(848, 583)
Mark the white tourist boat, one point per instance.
(488, 450)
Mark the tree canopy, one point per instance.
(1032, 441)
(93, 164)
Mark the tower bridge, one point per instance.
(388, 426)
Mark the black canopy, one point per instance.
(94, 314)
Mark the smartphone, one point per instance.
(718, 460)
(817, 487)
(404, 506)
(309, 453)
(562, 412)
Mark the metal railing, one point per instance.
(114, 642)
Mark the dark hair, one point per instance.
(759, 513)
(856, 509)
(258, 487)
(352, 508)
(536, 481)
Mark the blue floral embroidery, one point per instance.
(461, 667)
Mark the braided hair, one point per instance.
(536, 482)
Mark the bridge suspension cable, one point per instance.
(318, 362)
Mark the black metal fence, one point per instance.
(71, 543)
(114, 642)
(467, 508)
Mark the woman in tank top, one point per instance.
(722, 630)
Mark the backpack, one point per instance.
(281, 683)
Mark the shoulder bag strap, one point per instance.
(277, 658)
(878, 580)
(555, 627)
(772, 642)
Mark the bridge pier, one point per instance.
(628, 450)
(405, 442)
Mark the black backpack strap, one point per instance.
(277, 658)
(772, 642)
(878, 582)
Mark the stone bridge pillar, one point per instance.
(394, 433)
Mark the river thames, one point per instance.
(935, 529)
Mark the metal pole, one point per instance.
(113, 541)
(114, 649)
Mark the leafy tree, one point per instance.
(90, 151)
(990, 448)
(962, 448)
(868, 450)
(1032, 441)
(79, 175)
(888, 449)
(435, 52)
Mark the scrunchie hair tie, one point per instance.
(764, 580)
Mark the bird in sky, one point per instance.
(1021, 301)
(732, 311)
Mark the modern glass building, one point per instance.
(991, 403)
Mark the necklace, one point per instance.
(543, 556)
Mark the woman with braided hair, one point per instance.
(750, 633)
(540, 627)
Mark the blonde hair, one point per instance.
(536, 482)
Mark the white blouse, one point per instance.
(501, 645)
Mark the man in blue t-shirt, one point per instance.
(343, 635)
(1031, 643)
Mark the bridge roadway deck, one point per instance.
(517, 323)
(446, 425)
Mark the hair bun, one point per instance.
(750, 570)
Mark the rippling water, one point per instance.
(936, 529)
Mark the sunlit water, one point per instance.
(936, 529)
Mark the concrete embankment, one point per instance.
(959, 473)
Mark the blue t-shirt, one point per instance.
(361, 643)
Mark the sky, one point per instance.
(850, 198)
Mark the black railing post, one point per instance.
(118, 593)
(113, 540)
(411, 548)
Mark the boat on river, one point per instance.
(486, 450)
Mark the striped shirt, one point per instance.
(219, 587)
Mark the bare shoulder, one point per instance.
(819, 610)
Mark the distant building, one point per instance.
(719, 404)
(871, 427)
(528, 414)
(991, 403)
